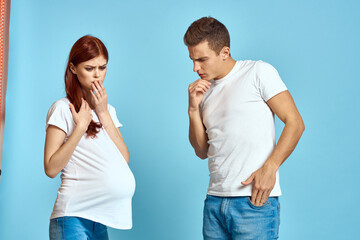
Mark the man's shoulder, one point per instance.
(259, 66)
(253, 63)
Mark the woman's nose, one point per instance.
(96, 73)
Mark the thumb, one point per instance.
(249, 180)
(72, 109)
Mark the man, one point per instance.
(231, 111)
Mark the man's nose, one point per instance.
(196, 67)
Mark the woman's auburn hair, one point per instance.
(84, 49)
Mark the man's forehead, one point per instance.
(196, 52)
(197, 56)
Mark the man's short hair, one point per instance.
(207, 29)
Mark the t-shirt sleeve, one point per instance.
(112, 112)
(59, 115)
(268, 81)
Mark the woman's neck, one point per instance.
(87, 96)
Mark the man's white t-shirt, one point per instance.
(97, 183)
(240, 126)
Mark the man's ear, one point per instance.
(72, 68)
(225, 53)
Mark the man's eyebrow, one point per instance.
(199, 59)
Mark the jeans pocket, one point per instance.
(53, 229)
(206, 197)
(267, 203)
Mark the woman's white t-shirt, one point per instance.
(97, 183)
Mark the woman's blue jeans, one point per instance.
(235, 218)
(76, 228)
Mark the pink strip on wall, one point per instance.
(4, 52)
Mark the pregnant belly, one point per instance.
(118, 184)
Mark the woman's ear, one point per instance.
(72, 68)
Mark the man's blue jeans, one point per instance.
(76, 228)
(237, 218)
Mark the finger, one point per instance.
(254, 195)
(264, 197)
(192, 90)
(98, 87)
(94, 89)
(204, 85)
(102, 85)
(200, 81)
(87, 105)
(94, 96)
(196, 91)
(206, 82)
(82, 104)
(259, 198)
(200, 89)
(200, 86)
(249, 180)
(72, 109)
(191, 87)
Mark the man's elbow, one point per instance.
(201, 155)
(301, 126)
(296, 123)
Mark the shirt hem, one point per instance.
(232, 194)
(119, 226)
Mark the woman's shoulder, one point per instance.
(61, 103)
(60, 106)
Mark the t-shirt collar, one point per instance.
(216, 82)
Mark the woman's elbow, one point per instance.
(127, 156)
(50, 174)
(49, 171)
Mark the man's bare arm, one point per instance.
(197, 135)
(197, 132)
(264, 178)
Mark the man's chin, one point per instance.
(206, 78)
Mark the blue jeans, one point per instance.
(237, 218)
(76, 228)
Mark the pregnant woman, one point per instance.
(84, 143)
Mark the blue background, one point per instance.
(313, 44)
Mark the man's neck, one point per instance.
(228, 66)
